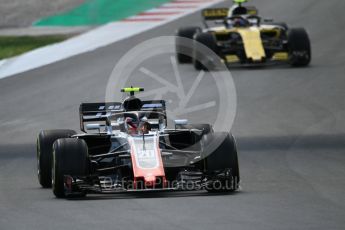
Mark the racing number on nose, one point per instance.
(145, 154)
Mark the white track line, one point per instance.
(102, 36)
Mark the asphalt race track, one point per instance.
(290, 126)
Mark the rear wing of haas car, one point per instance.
(99, 112)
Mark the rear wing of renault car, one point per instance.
(214, 14)
(218, 14)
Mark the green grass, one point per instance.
(14, 45)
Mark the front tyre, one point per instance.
(70, 157)
(45, 141)
(184, 47)
(299, 47)
(200, 60)
(222, 164)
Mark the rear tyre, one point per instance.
(201, 62)
(184, 48)
(70, 157)
(299, 47)
(221, 161)
(45, 142)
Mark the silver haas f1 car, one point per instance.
(126, 146)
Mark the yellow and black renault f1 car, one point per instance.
(126, 146)
(239, 36)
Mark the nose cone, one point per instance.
(150, 180)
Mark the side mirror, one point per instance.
(181, 122)
(268, 20)
(93, 126)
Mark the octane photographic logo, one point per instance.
(201, 97)
(110, 183)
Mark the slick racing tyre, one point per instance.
(222, 164)
(299, 47)
(45, 142)
(184, 48)
(70, 157)
(201, 62)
